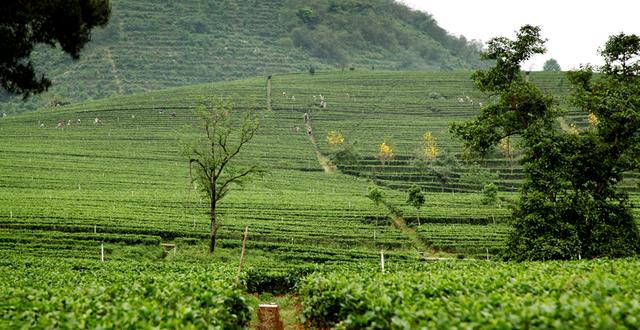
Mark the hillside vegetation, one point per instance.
(154, 44)
(123, 181)
(121, 184)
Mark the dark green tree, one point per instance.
(608, 148)
(569, 205)
(25, 23)
(551, 65)
(375, 195)
(415, 198)
(489, 194)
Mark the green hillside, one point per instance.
(155, 44)
(121, 184)
(123, 181)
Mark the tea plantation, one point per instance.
(114, 176)
(155, 44)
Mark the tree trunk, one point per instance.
(214, 227)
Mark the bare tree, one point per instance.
(213, 155)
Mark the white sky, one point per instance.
(575, 29)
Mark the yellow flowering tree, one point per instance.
(334, 138)
(385, 152)
(429, 147)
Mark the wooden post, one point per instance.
(95, 229)
(382, 260)
(102, 251)
(166, 246)
(269, 317)
(244, 247)
(269, 93)
(487, 254)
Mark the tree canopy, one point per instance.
(569, 206)
(551, 65)
(26, 23)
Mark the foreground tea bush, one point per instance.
(597, 294)
(52, 293)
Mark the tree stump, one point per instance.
(269, 317)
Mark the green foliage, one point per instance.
(508, 54)
(477, 175)
(488, 295)
(152, 45)
(307, 16)
(278, 281)
(551, 65)
(24, 24)
(489, 194)
(375, 195)
(569, 206)
(127, 176)
(322, 43)
(415, 197)
(56, 293)
(346, 155)
(620, 55)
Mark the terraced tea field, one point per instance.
(123, 181)
(155, 44)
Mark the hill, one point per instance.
(123, 182)
(155, 44)
(315, 241)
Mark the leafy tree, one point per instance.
(375, 195)
(489, 194)
(415, 198)
(569, 205)
(551, 65)
(213, 154)
(345, 155)
(25, 23)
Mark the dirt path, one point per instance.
(411, 234)
(114, 71)
(422, 249)
(322, 159)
